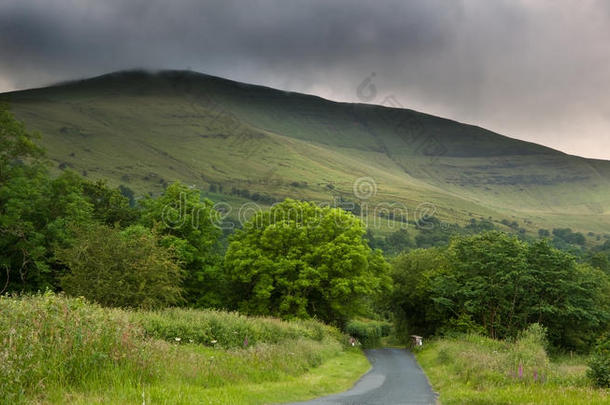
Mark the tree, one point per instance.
(17, 146)
(411, 302)
(35, 210)
(502, 284)
(36, 213)
(121, 268)
(397, 242)
(601, 261)
(110, 206)
(300, 260)
(489, 270)
(187, 224)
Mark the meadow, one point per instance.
(472, 369)
(58, 349)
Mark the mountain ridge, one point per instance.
(144, 129)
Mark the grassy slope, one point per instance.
(142, 130)
(61, 350)
(477, 370)
(336, 374)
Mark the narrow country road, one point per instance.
(395, 379)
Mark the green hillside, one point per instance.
(144, 130)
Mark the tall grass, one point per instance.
(59, 349)
(227, 329)
(479, 370)
(50, 340)
(481, 361)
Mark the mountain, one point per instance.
(144, 129)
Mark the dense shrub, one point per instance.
(368, 333)
(228, 329)
(121, 268)
(51, 340)
(599, 364)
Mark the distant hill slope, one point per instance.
(146, 129)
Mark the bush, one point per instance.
(369, 333)
(228, 329)
(599, 364)
(49, 340)
(121, 268)
(529, 350)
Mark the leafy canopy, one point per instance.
(187, 224)
(301, 260)
(497, 283)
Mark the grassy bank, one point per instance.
(477, 370)
(60, 350)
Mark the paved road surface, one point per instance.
(395, 379)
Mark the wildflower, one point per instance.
(520, 370)
(177, 339)
(214, 341)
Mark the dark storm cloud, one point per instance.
(537, 70)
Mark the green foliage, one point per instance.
(110, 206)
(566, 235)
(228, 329)
(501, 284)
(412, 272)
(36, 214)
(49, 340)
(300, 260)
(397, 242)
(484, 281)
(17, 146)
(368, 333)
(188, 226)
(600, 260)
(120, 268)
(529, 349)
(599, 363)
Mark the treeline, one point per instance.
(497, 285)
(432, 232)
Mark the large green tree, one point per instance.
(412, 273)
(35, 210)
(188, 225)
(301, 260)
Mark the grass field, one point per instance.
(60, 350)
(477, 370)
(145, 130)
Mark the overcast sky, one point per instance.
(537, 70)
